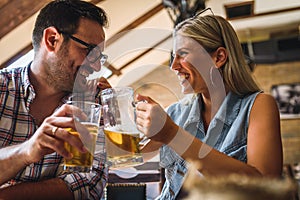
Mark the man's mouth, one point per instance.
(84, 73)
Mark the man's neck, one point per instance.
(47, 98)
(44, 90)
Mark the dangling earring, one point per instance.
(212, 72)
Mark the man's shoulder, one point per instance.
(8, 73)
(12, 77)
(11, 70)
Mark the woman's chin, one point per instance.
(187, 90)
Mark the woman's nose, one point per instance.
(175, 65)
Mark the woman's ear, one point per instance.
(220, 57)
(51, 38)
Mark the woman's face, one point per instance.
(191, 64)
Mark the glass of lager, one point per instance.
(122, 139)
(87, 129)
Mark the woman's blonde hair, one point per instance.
(213, 32)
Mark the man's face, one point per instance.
(71, 67)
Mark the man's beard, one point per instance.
(59, 74)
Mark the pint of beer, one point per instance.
(121, 135)
(87, 130)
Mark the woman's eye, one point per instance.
(182, 54)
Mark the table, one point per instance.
(144, 182)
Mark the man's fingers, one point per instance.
(69, 135)
(70, 111)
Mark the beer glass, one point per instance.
(87, 129)
(121, 135)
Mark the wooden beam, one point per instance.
(3, 3)
(96, 1)
(143, 53)
(114, 70)
(135, 24)
(270, 13)
(15, 12)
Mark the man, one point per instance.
(68, 42)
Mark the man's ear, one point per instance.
(220, 56)
(51, 38)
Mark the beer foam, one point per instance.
(121, 130)
(91, 124)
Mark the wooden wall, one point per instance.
(272, 74)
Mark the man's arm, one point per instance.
(11, 162)
(48, 189)
(43, 142)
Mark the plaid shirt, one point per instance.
(17, 126)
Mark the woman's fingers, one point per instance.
(103, 83)
(142, 98)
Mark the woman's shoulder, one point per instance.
(264, 98)
(264, 103)
(258, 98)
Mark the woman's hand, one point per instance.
(153, 121)
(103, 84)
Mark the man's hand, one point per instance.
(51, 135)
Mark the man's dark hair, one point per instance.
(65, 15)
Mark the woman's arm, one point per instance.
(264, 137)
(212, 161)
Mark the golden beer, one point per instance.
(81, 161)
(122, 148)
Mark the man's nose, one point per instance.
(96, 65)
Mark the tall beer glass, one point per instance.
(87, 129)
(121, 135)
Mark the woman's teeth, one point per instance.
(183, 76)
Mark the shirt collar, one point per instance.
(29, 92)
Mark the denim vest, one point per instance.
(226, 133)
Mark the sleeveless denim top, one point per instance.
(226, 133)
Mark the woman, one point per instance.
(227, 123)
